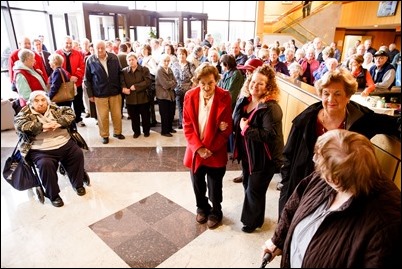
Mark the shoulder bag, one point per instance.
(66, 91)
(19, 173)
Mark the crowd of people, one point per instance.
(227, 103)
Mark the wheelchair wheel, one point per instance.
(87, 180)
(40, 193)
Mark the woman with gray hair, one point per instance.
(46, 141)
(57, 77)
(27, 79)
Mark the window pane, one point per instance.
(35, 26)
(166, 6)
(242, 30)
(147, 5)
(219, 30)
(217, 10)
(33, 5)
(242, 10)
(192, 6)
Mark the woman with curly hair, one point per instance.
(257, 122)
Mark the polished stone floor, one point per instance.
(139, 212)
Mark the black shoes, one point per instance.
(136, 135)
(180, 127)
(167, 135)
(238, 179)
(146, 135)
(58, 202)
(80, 191)
(105, 140)
(173, 131)
(119, 136)
(247, 229)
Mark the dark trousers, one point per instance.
(78, 104)
(214, 182)
(167, 110)
(255, 190)
(47, 162)
(135, 111)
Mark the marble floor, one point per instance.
(139, 212)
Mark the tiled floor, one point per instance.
(139, 211)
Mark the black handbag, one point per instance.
(76, 136)
(19, 173)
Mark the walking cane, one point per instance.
(265, 259)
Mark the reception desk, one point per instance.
(297, 96)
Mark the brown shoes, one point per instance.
(213, 221)
(201, 218)
(238, 179)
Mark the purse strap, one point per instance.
(62, 75)
(16, 146)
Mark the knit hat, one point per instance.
(33, 95)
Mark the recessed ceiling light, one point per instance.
(375, 25)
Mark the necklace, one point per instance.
(341, 126)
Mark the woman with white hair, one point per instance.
(46, 141)
(27, 79)
(57, 77)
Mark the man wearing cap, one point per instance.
(382, 72)
(250, 66)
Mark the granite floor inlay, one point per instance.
(148, 232)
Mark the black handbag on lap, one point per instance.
(19, 173)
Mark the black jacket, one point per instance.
(264, 136)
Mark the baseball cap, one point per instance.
(381, 53)
(251, 64)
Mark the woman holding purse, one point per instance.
(58, 76)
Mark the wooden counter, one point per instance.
(297, 96)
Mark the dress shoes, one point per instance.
(180, 127)
(80, 191)
(238, 179)
(105, 140)
(119, 136)
(173, 131)
(213, 221)
(146, 135)
(247, 229)
(167, 135)
(58, 202)
(201, 218)
(136, 135)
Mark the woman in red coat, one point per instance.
(207, 124)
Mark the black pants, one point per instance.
(47, 161)
(166, 111)
(135, 111)
(78, 104)
(214, 183)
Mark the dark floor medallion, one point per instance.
(149, 231)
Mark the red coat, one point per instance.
(214, 139)
(77, 64)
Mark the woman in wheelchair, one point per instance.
(47, 143)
